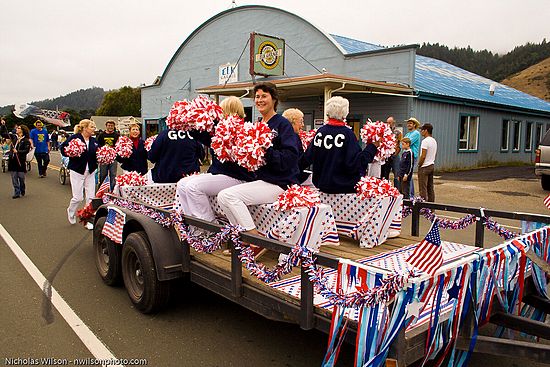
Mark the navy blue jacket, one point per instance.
(230, 169)
(137, 161)
(78, 164)
(406, 164)
(175, 154)
(337, 159)
(281, 166)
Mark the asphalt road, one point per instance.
(198, 328)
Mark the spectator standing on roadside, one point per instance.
(426, 164)
(108, 137)
(55, 140)
(413, 134)
(392, 163)
(41, 142)
(17, 163)
(406, 168)
(4, 133)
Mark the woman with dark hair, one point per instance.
(17, 160)
(138, 160)
(280, 171)
(82, 168)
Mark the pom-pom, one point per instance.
(106, 155)
(369, 187)
(297, 196)
(177, 117)
(124, 147)
(251, 143)
(224, 139)
(131, 178)
(202, 114)
(379, 132)
(306, 137)
(149, 142)
(75, 148)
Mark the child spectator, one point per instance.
(406, 167)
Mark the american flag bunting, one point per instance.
(103, 188)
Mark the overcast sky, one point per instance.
(53, 47)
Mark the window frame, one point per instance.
(507, 148)
(519, 125)
(468, 121)
(528, 136)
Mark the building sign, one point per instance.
(267, 55)
(228, 73)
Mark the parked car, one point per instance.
(542, 161)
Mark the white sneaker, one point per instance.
(89, 226)
(72, 218)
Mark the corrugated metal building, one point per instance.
(472, 125)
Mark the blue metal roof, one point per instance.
(436, 77)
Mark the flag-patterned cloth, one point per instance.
(103, 188)
(114, 224)
(547, 201)
(428, 256)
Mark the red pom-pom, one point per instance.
(369, 187)
(106, 155)
(251, 143)
(306, 137)
(75, 148)
(124, 147)
(149, 142)
(297, 196)
(177, 117)
(381, 132)
(224, 138)
(203, 113)
(131, 179)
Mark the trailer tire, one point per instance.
(107, 256)
(146, 292)
(545, 182)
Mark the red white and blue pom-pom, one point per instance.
(124, 147)
(177, 117)
(370, 187)
(251, 143)
(203, 113)
(106, 155)
(131, 178)
(149, 142)
(223, 141)
(379, 132)
(75, 148)
(297, 196)
(306, 137)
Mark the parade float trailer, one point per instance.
(335, 284)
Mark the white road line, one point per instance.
(94, 345)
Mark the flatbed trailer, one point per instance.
(152, 255)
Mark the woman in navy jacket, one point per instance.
(337, 159)
(82, 168)
(138, 160)
(280, 171)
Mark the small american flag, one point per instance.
(114, 224)
(547, 201)
(428, 256)
(103, 188)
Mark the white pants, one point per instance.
(194, 191)
(79, 184)
(234, 200)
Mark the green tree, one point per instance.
(125, 101)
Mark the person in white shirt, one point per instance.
(426, 161)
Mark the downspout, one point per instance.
(328, 95)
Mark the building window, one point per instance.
(468, 132)
(528, 136)
(538, 134)
(504, 135)
(516, 126)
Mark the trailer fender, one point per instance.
(165, 244)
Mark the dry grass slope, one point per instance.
(534, 80)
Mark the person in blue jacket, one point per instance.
(175, 154)
(337, 160)
(280, 171)
(83, 168)
(138, 160)
(193, 191)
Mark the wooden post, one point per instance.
(306, 302)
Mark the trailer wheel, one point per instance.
(146, 292)
(107, 256)
(545, 182)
